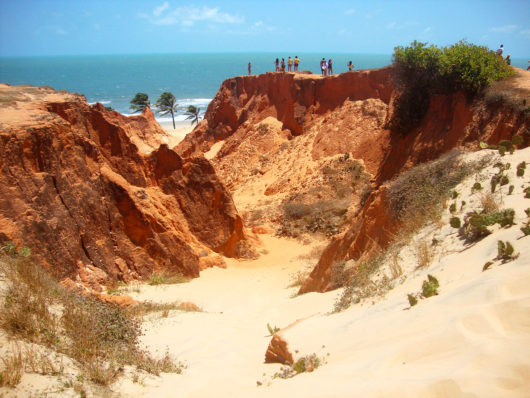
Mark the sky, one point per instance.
(76, 27)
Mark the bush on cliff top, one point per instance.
(421, 70)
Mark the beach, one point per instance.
(177, 134)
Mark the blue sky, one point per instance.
(69, 27)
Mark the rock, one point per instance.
(278, 351)
(96, 197)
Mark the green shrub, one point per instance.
(510, 189)
(487, 265)
(455, 222)
(507, 145)
(504, 180)
(454, 195)
(412, 300)
(526, 229)
(421, 70)
(527, 193)
(452, 208)
(476, 187)
(502, 150)
(521, 168)
(527, 211)
(517, 140)
(429, 288)
(494, 182)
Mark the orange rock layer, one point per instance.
(345, 113)
(96, 197)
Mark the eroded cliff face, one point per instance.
(96, 196)
(274, 137)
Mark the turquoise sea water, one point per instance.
(193, 78)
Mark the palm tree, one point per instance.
(166, 103)
(139, 102)
(193, 114)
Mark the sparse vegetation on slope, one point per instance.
(100, 337)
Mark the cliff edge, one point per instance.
(96, 197)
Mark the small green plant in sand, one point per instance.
(412, 299)
(304, 364)
(476, 187)
(521, 167)
(505, 251)
(272, 329)
(430, 286)
(487, 265)
(455, 222)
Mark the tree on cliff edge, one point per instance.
(139, 102)
(167, 103)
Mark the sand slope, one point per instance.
(472, 340)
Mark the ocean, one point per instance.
(194, 79)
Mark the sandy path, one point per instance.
(225, 345)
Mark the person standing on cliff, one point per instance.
(249, 68)
(323, 66)
(330, 67)
(283, 65)
(296, 62)
(350, 66)
(289, 64)
(500, 50)
(277, 63)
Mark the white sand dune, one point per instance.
(472, 340)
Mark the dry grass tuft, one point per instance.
(100, 337)
(424, 253)
(416, 196)
(164, 278)
(13, 370)
(489, 203)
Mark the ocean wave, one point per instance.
(103, 102)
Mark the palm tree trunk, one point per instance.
(173, 117)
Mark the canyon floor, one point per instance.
(471, 340)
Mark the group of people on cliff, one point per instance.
(326, 67)
(280, 65)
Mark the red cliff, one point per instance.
(282, 130)
(96, 197)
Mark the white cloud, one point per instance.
(427, 30)
(160, 9)
(189, 15)
(349, 11)
(504, 29)
(525, 32)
